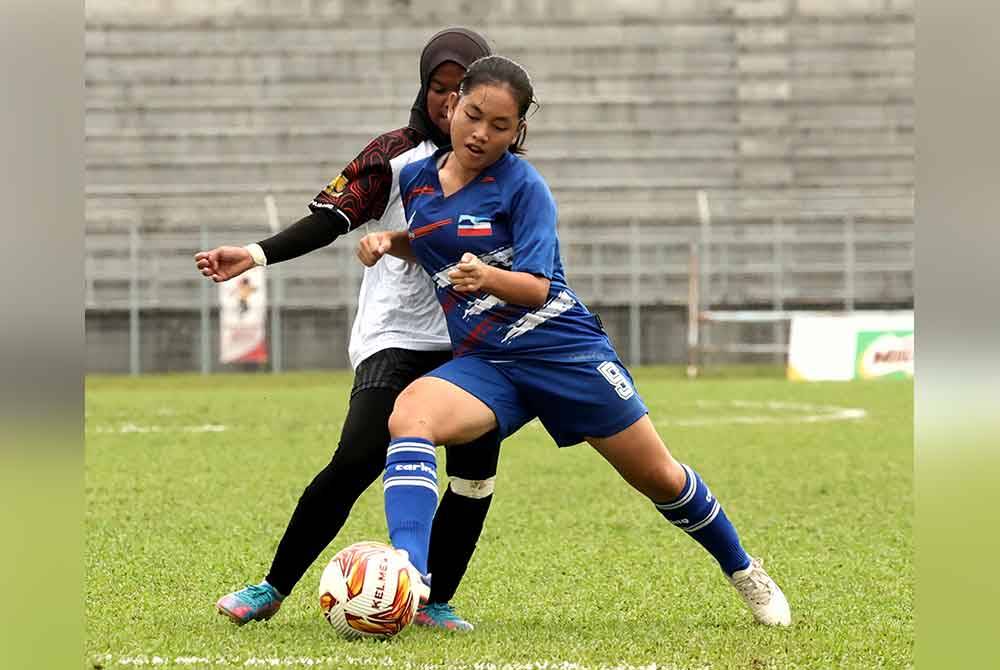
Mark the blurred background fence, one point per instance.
(794, 118)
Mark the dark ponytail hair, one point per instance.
(500, 70)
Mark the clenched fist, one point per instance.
(470, 275)
(373, 246)
(222, 263)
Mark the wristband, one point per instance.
(257, 253)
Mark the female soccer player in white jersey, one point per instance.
(482, 223)
(399, 334)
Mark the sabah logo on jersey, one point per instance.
(474, 226)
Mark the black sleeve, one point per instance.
(309, 233)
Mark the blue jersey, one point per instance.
(507, 217)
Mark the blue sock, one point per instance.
(698, 513)
(411, 496)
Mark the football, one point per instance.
(369, 589)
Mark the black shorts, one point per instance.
(396, 368)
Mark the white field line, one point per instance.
(789, 412)
(143, 660)
(780, 412)
(126, 428)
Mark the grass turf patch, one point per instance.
(190, 481)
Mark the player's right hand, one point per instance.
(222, 263)
(373, 247)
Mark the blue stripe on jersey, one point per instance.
(507, 218)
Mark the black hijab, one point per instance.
(458, 45)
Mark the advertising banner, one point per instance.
(884, 354)
(860, 345)
(243, 318)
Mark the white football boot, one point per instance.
(762, 595)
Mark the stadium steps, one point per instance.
(235, 36)
(114, 206)
(430, 12)
(318, 170)
(844, 165)
(677, 196)
(552, 73)
(738, 76)
(343, 142)
(687, 76)
(401, 65)
(246, 218)
(884, 107)
(169, 31)
(227, 50)
(643, 110)
(706, 64)
(558, 85)
(803, 114)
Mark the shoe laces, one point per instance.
(440, 611)
(755, 586)
(259, 595)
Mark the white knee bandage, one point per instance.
(473, 488)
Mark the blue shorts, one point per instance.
(573, 400)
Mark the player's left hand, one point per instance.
(470, 274)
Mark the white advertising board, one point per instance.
(842, 347)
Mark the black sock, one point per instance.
(457, 526)
(326, 502)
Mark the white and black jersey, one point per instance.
(397, 307)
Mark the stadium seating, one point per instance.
(792, 115)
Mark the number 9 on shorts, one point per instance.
(618, 381)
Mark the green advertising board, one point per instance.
(884, 354)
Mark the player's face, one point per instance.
(444, 81)
(484, 123)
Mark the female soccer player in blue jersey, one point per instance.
(398, 335)
(482, 223)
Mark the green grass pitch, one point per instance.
(190, 481)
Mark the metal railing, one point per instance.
(777, 264)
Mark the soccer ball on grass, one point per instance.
(370, 589)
